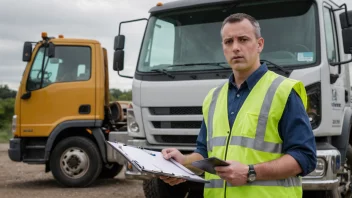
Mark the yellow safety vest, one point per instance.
(254, 137)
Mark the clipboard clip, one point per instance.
(137, 164)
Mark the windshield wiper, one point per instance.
(218, 64)
(163, 71)
(277, 66)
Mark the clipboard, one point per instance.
(153, 162)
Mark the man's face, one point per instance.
(240, 45)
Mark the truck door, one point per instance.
(336, 78)
(65, 91)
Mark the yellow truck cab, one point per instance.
(62, 111)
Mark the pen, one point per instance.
(148, 152)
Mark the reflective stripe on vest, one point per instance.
(289, 182)
(258, 143)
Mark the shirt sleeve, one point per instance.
(297, 135)
(202, 141)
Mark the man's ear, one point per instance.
(260, 44)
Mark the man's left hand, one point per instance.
(235, 173)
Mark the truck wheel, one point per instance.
(110, 170)
(156, 188)
(75, 162)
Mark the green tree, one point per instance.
(6, 92)
(117, 94)
(6, 112)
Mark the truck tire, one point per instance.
(349, 155)
(156, 188)
(75, 162)
(110, 170)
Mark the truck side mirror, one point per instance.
(347, 40)
(27, 51)
(51, 50)
(346, 19)
(118, 60)
(119, 43)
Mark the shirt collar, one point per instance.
(253, 78)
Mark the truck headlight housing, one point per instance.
(132, 125)
(13, 125)
(314, 104)
(320, 169)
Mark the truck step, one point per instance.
(35, 147)
(34, 161)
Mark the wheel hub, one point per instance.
(74, 162)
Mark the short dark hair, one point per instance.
(238, 17)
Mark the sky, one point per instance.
(24, 20)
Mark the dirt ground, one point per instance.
(24, 180)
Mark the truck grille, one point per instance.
(182, 139)
(175, 110)
(177, 124)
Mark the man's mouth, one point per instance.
(237, 57)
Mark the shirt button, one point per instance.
(238, 95)
(232, 113)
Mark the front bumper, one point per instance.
(324, 177)
(320, 184)
(15, 151)
(144, 144)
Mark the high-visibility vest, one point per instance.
(254, 137)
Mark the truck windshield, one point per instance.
(191, 40)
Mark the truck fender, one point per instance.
(99, 137)
(65, 125)
(342, 141)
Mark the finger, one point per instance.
(171, 154)
(176, 182)
(163, 177)
(166, 152)
(223, 176)
(221, 168)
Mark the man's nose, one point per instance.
(235, 47)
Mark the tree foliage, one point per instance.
(7, 103)
(117, 94)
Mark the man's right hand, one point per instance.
(177, 156)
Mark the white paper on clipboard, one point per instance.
(153, 162)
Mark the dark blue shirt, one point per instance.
(294, 127)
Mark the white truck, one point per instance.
(181, 59)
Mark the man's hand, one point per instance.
(177, 156)
(235, 173)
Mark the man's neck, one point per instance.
(241, 76)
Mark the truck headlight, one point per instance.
(320, 168)
(13, 125)
(314, 104)
(132, 125)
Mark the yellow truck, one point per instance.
(63, 114)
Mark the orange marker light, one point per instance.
(61, 36)
(44, 35)
(159, 4)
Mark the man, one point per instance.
(256, 121)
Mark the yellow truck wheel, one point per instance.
(75, 162)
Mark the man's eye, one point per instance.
(228, 41)
(243, 39)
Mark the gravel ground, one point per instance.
(25, 180)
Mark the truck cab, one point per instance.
(181, 59)
(63, 114)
